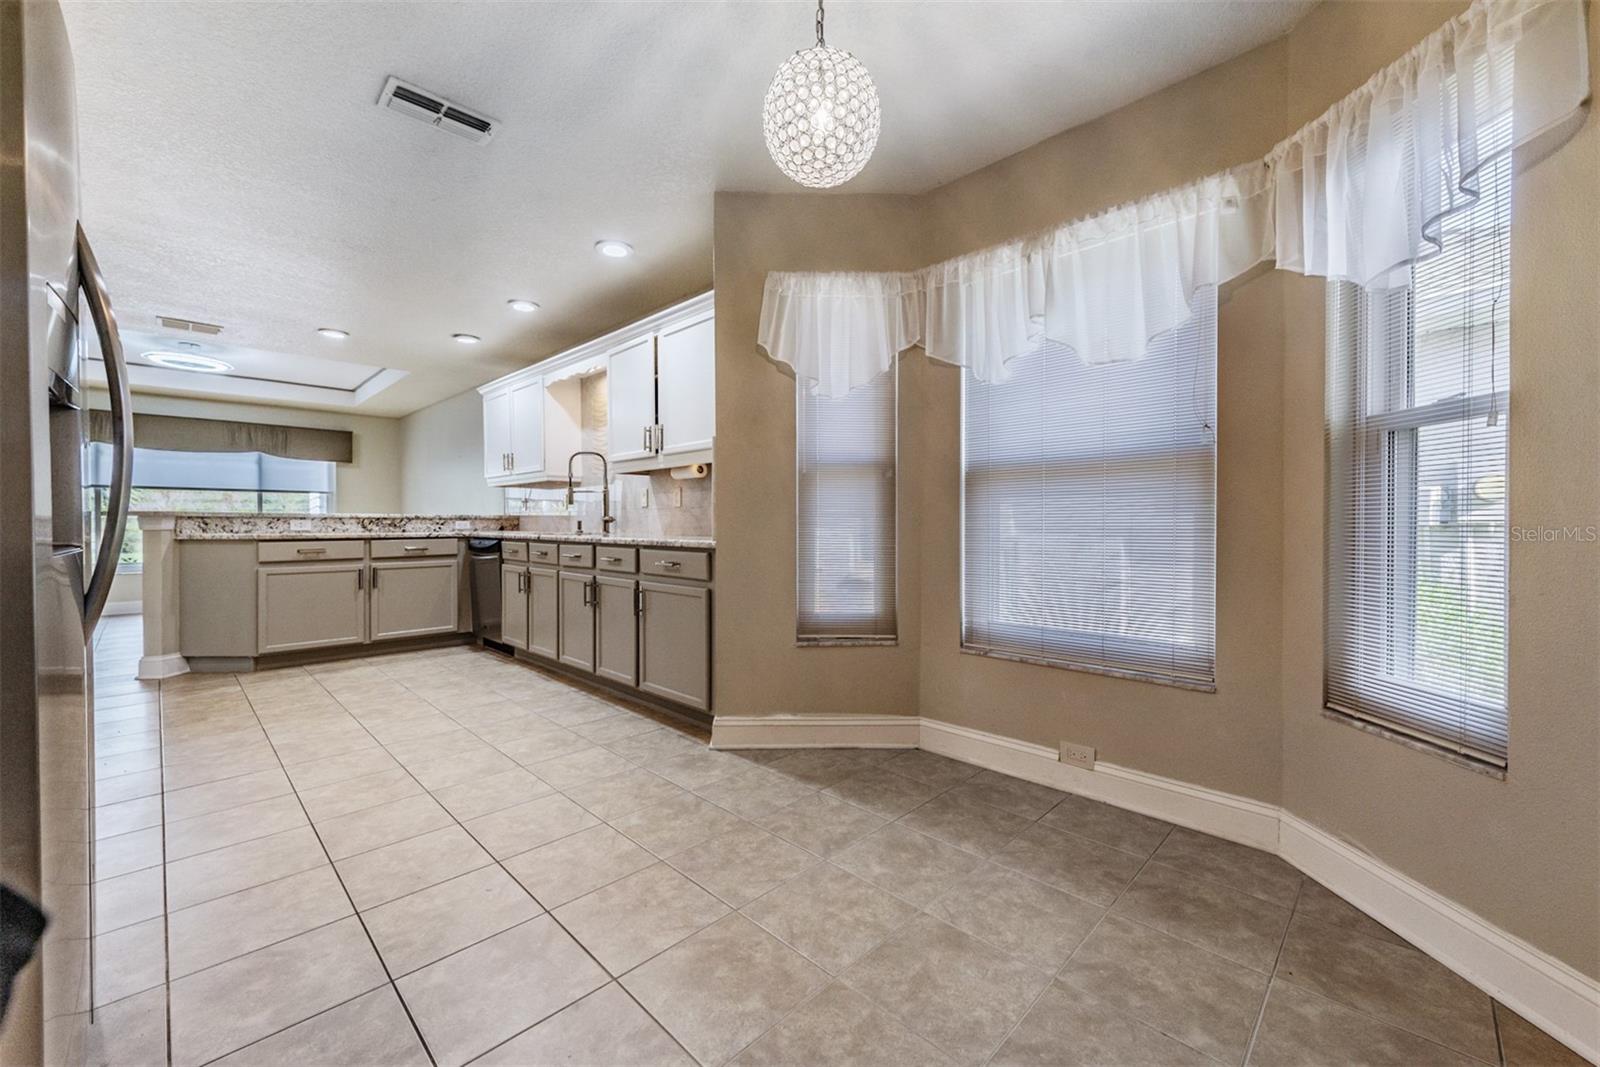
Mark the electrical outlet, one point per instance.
(300, 525)
(1078, 755)
(462, 524)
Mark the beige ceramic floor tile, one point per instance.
(126, 853)
(632, 919)
(130, 960)
(912, 866)
(1195, 996)
(469, 1002)
(566, 869)
(428, 925)
(1525, 1045)
(326, 802)
(340, 768)
(128, 899)
(724, 987)
(830, 916)
(952, 989)
(965, 823)
(605, 1027)
(131, 1032)
(1067, 1029)
(393, 871)
(1108, 824)
(226, 793)
(189, 837)
(250, 863)
(1395, 983)
(369, 1030)
(1076, 865)
(670, 826)
(940, 772)
(821, 823)
(742, 864)
(383, 824)
(622, 794)
(840, 1026)
(496, 792)
(755, 792)
(1018, 915)
(1329, 909)
(1027, 799)
(1299, 1027)
(242, 922)
(1236, 925)
(886, 795)
(526, 826)
(585, 765)
(1240, 867)
(226, 1007)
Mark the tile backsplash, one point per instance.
(645, 505)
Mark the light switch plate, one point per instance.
(644, 498)
(1078, 755)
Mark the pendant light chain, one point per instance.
(821, 41)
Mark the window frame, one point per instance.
(802, 639)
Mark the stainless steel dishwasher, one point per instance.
(483, 559)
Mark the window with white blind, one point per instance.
(1417, 398)
(845, 457)
(1089, 509)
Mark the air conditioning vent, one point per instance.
(188, 325)
(436, 111)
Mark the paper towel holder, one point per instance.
(691, 472)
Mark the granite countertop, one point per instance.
(398, 527)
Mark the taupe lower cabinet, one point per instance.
(310, 605)
(327, 593)
(675, 642)
(595, 614)
(413, 598)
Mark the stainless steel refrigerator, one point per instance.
(53, 316)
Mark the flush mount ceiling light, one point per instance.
(189, 361)
(465, 338)
(337, 335)
(522, 305)
(614, 249)
(821, 115)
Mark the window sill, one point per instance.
(846, 642)
(1084, 668)
(1416, 744)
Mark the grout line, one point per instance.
(374, 945)
(1255, 1031)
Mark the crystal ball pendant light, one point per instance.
(821, 115)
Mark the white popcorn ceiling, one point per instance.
(236, 170)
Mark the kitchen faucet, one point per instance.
(607, 520)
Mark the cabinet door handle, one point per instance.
(668, 564)
(638, 601)
(572, 555)
(374, 577)
(416, 548)
(647, 438)
(610, 559)
(361, 579)
(310, 551)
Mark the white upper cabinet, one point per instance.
(660, 392)
(497, 434)
(631, 400)
(686, 391)
(527, 427)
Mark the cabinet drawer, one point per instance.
(672, 563)
(577, 556)
(414, 548)
(542, 552)
(514, 551)
(308, 551)
(611, 558)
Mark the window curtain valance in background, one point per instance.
(177, 433)
(1357, 194)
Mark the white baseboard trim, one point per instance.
(1545, 991)
(167, 666)
(1550, 994)
(814, 731)
(1236, 818)
(123, 607)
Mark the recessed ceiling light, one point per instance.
(466, 338)
(614, 249)
(337, 335)
(522, 305)
(188, 361)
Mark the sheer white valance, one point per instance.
(1360, 191)
(1357, 194)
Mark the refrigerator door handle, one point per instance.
(105, 327)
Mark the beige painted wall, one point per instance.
(1524, 853)
(441, 460)
(368, 484)
(759, 669)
